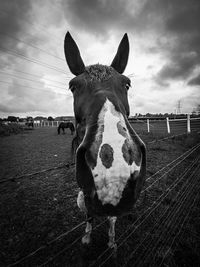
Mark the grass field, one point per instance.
(37, 209)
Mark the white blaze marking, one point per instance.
(111, 182)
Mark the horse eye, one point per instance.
(127, 86)
(72, 88)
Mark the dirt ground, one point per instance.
(36, 209)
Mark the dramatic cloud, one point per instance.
(12, 15)
(183, 29)
(174, 24)
(164, 57)
(98, 17)
(181, 66)
(195, 81)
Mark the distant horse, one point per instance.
(110, 156)
(67, 124)
(29, 122)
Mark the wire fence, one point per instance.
(61, 166)
(69, 165)
(145, 217)
(169, 215)
(186, 181)
(151, 198)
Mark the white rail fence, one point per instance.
(186, 125)
(47, 123)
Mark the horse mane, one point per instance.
(99, 72)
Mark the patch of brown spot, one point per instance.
(128, 152)
(106, 155)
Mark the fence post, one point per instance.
(168, 127)
(148, 129)
(188, 124)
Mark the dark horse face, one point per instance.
(108, 152)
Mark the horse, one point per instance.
(67, 124)
(110, 156)
(29, 122)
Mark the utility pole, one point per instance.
(179, 107)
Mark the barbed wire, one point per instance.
(67, 248)
(143, 221)
(173, 219)
(166, 138)
(189, 151)
(188, 154)
(47, 244)
(172, 212)
(66, 165)
(58, 238)
(77, 226)
(158, 221)
(180, 229)
(69, 165)
(144, 215)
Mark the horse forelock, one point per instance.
(99, 72)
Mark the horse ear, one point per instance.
(121, 58)
(72, 55)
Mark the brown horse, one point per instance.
(64, 125)
(110, 158)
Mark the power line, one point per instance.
(43, 29)
(14, 53)
(41, 90)
(37, 27)
(33, 46)
(23, 78)
(11, 52)
(40, 77)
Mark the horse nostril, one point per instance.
(128, 152)
(122, 129)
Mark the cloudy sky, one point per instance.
(164, 60)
